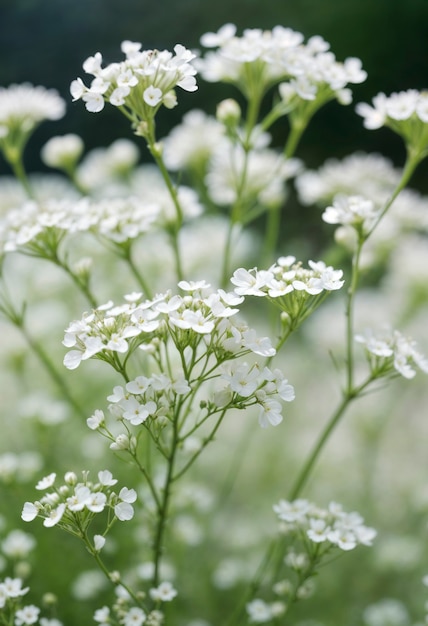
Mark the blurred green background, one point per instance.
(45, 42)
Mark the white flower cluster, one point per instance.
(369, 175)
(287, 276)
(398, 107)
(265, 174)
(278, 55)
(22, 107)
(80, 501)
(117, 219)
(260, 612)
(11, 588)
(104, 168)
(134, 615)
(262, 387)
(191, 143)
(141, 83)
(62, 151)
(296, 290)
(19, 467)
(390, 352)
(110, 329)
(333, 525)
(141, 398)
(355, 211)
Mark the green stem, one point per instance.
(319, 445)
(412, 162)
(51, 369)
(164, 506)
(350, 317)
(17, 166)
(175, 228)
(127, 255)
(274, 214)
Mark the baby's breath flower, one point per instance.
(390, 352)
(140, 84)
(165, 592)
(62, 152)
(405, 112)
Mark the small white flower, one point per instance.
(152, 96)
(54, 516)
(29, 512)
(99, 542)
(46, 482)
(165, 592)
(27, 615)
(96, 420)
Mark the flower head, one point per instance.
(140, 84)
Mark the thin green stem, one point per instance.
(51, 369)
(274, 214)
(17, 166)
(412, 162)
(303, 476)
(349, 311)
(127, 255)
(164, 506)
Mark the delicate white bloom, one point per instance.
(12, 587)
(388, 611)
(124, 510)
(17, 544)
(46, 482)
(102, 615)
(96, 420)
(134, 617)
(151, 74)
(62, 151)
(99, 542)
(165, 592)
(354, 210)
(24, 106)
(295, 511)
(395, 351)
(27, 615)
(259, 611)
(152, 96)
(29, 512)
(54, 516)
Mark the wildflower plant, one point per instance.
(180, 364)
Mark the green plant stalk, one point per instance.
(127, 256)
(175, 228)
(51, 369)
(236, 210)
(164, 506)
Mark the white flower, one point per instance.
(29, 512)
(259, 611)
(243, 379)
(55, 516)
(96, 420)
(165, 592)
(61, 151)
(46, 482)
(27, 615)
(124, 510)
(270, 413)
(134, 617)
(102, 615)
(152, 96)
(17, 544)
(99, 542)
(106, 478)
(318, 530)
(13, 587)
